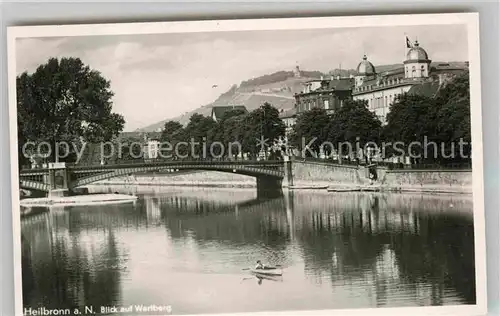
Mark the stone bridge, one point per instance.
(60, 178)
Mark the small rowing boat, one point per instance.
(267, 271)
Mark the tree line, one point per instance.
(236, 126)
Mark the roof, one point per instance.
(394, 73)
(153, 135)
(334, 84)
(221, 109)
(365, 67)
(288, 113)
(370, 86)
(427, 89)
(391, 79)
(450, 67)
(341, 84)
(417, 53)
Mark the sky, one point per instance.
(160, 76)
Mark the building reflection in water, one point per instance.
(384, 246)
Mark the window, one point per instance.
(326, 104)
(413, 72)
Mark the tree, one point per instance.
(311, 125)
(229, 129)
(355, 125)
(437, 125)
(65, 101)
(173, 133)
(233, 131)
(169, 129)
(412, 118)
(200, 131)
(453, 119)
(458, 89)
(263, 127)
(232, 113)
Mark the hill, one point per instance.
(277, 88)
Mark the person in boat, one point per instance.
(259, 265)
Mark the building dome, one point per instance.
(417, 53)
(365, 67)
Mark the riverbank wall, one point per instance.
(312, 173)
(319, 175)
(444, 181)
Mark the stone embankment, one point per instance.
(343, 178)
(320, 176)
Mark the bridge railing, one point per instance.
(427, 166)
(328, 160)
(182, 163)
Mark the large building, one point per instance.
(328, 94)
(415, 76)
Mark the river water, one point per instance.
(188, 248)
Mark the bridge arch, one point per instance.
(98, 174)
(267, 173)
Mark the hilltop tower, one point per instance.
(296, 72)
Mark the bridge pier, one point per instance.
(268, 187)
(288, 177)
(57, 180)
(289, 206)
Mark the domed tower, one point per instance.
(364, 70)
(417, 62)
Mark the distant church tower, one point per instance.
(296, 72)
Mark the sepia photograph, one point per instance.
(293, 165)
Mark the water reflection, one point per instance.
(339, 251)
(65, 267)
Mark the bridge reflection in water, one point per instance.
(346, 250)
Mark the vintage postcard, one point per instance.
(304, 166)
